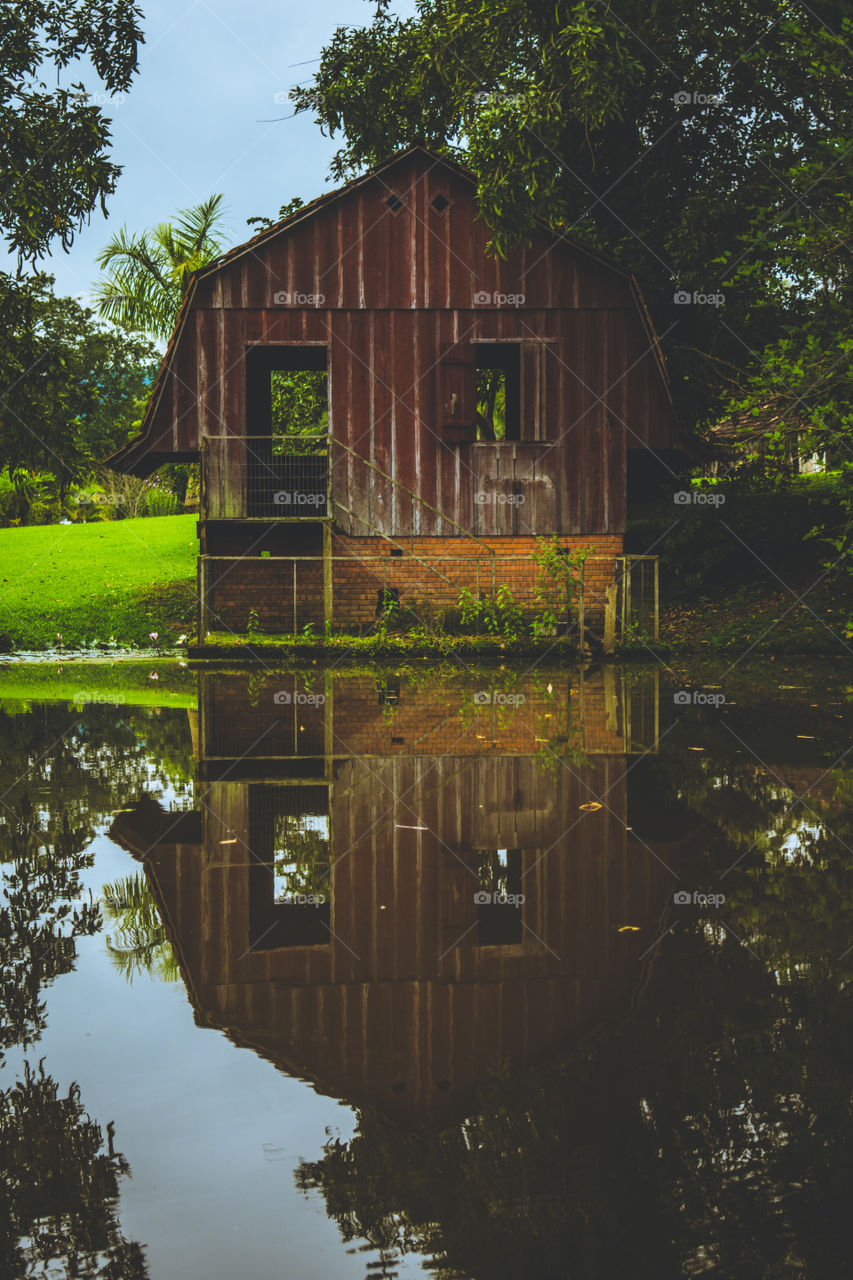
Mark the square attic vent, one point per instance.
(394, 202)
(440, 203)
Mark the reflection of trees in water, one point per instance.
(78, 767)
(300, 854)
(710, 1134)
(58, 1199)
(64, 774)
(138, 942)
(39, 920)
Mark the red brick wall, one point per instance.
(422, 572)
(430, 570)
(234, 587)
(543, 714)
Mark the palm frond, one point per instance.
(147, 274)
(197, 227)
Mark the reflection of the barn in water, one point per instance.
(474, 909)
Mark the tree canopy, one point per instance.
(55, 165)
(707, 148)
(72, 387)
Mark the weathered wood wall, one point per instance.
(402, 1007)
(395, 290)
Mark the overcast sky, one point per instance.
(197, 118)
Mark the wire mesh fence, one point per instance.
(269, 477)
(286, 476)
(617, 598)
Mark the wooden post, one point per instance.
(295, 628)
(610, 594)
(328, 576)
(657, 598)
(582, 609)
(202, 599)
(612, 720)
(202, 480)
(620, 565)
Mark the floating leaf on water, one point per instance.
(591, 806)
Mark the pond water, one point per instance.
(469, 975)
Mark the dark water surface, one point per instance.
(538, 974)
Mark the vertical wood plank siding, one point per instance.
(386, 291)
(404, 991)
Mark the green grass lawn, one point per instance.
(112, 580)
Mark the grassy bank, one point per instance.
(111, 580)
(80, 683)
(722, 576)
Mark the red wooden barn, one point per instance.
(473, 405)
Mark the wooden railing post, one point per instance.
(657, 598)
(610, 595)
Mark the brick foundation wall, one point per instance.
(429, 571)
(540, 715)
(233, 588)
(436, 570)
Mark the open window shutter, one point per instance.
(456, 392)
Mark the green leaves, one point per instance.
(147, 275)
(708, 148)
(54, 144)
(69, 387)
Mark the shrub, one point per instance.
(161, 502)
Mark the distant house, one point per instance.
(768, 440)
(471, 405)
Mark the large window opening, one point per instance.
(499, 898)
(289, 875)
(287, 391)
(287, 420)
(497, 391)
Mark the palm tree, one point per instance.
(139, 943)
(147, 275)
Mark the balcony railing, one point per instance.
(266, 477)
